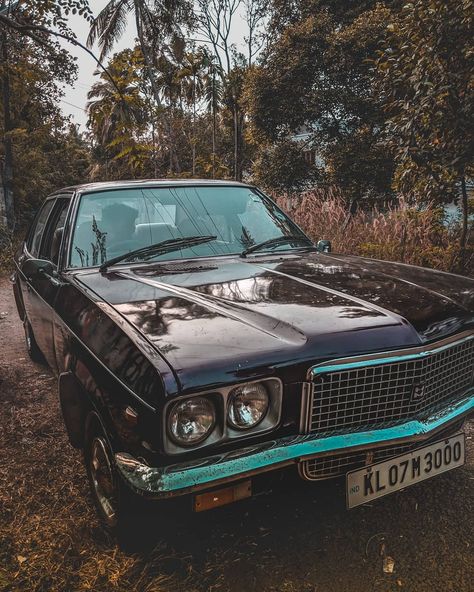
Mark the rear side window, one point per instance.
(39, 225)
(51, 242)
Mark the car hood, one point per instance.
(222, 319)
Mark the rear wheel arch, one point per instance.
(18, 296)
(32, 347)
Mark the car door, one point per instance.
(43, 288)
(31, 251)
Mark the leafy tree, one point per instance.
(192, 80)
(117, 117)
(24, 25)
(48, 152)
(282, 167)
(426, 73)
(33, 131)
(215, 21)
(317, 74)
(213, 94)
(255, 15)
(156, 22)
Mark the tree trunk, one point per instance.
(194, 127)
(153, 139)
(146, 56)
(236, 143)
(353, 207)
(170, 144)
(6, 190)
(214, 116)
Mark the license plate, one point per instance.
(377, 480)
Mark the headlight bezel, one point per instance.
(222, 430)
(176, 439)
(232, 396)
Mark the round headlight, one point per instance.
(248, 405)
(191, 421)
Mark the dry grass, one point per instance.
(397, 234)
(50, 539)
(47, 541)
(9, 243)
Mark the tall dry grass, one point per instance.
(401, 233)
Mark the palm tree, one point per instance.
(192, 77)
(116, 108)
(213, 94)
(153, 24)
(169, 84)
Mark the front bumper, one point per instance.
(205, 473)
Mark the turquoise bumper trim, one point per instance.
(211, 471)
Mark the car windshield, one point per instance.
(115, 222)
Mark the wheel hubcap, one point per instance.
(102, 478)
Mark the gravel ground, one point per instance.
(298, 539)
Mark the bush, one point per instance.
(401, 233)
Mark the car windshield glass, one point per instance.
(112, 223)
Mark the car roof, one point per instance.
(105, 185)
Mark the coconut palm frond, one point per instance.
(109, 25)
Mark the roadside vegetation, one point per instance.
(373, 103)
(414, 235)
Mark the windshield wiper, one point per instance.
(166, 246)
(279, 240)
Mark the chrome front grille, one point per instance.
(328, 467)
(380, 391)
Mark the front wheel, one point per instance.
(117, 507)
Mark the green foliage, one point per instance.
(426, 76)
(46, 158)
(317, 75)
(118, 117)
(282, 167)
(47, 151)
(384, 90)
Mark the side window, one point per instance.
(54, 231)
(34, 242)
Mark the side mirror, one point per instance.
(323, 246)
(36, 268)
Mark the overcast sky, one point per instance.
(75, 97)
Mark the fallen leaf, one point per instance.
(388, 564)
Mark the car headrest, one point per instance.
(154, 232)
(55, 244)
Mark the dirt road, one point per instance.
(298, 539)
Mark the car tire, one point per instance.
(120, 510)
(31, 346)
